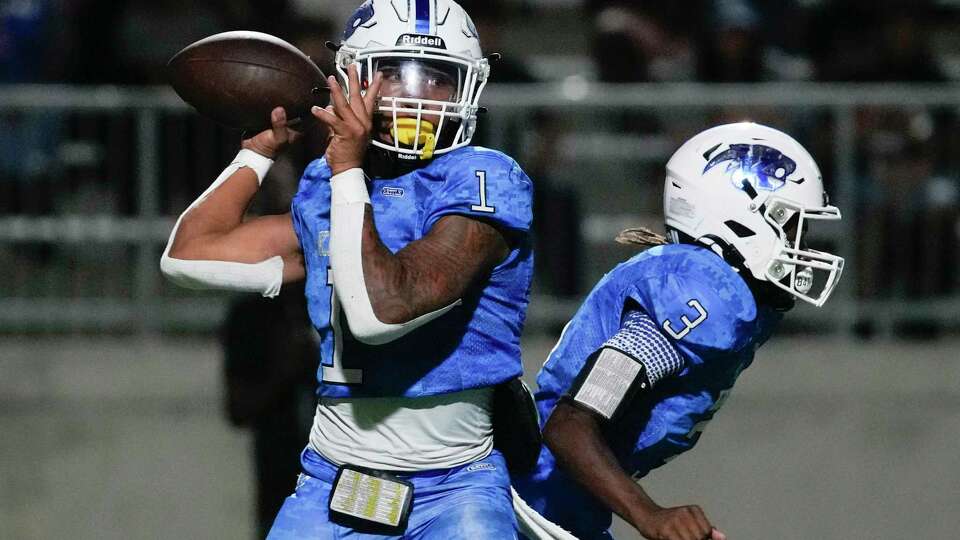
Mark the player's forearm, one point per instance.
(386, 295)
(421, 278)
(221, 212)
(386, 291)
(389, 283)
(211, 247)
(576, 440)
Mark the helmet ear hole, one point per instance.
(739, 229)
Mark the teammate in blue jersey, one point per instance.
(416, 253)
(658, 344)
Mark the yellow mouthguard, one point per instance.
(405, 132)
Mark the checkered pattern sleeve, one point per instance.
(640, 337)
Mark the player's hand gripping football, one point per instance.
(350, 121)
(270, 142)
(679, 523)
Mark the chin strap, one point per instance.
(715, 244)
(725, 250)
(763, 291)
(381, 163)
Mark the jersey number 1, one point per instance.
(335, 372)
(482, 207)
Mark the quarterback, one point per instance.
(656, 347)
(416, 253)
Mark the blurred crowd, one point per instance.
(907, 158)
(129, 41)
(744, 41)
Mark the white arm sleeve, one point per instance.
(349, 198)
(264, 277)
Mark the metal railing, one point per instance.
(144, 227)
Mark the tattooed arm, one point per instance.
(432, 272)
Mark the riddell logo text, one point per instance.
(422, 41)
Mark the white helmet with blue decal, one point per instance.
(429, 54)
(748, 191)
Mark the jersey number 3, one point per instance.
(688, 325)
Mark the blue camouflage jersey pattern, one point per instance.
(707, 311)
(477, 343)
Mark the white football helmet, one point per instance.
(748, 192)
(429, 54)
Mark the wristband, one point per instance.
(259, 164)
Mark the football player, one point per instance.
(417, 259)
(656, 347)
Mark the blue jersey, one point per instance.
(473, 345)
(709, 314)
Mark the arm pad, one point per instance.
(349, 198)
(264, 277)
(630, 362)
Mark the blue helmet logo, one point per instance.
(360, 17)
(471, 30)
(764, 167)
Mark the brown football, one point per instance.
(237, 78)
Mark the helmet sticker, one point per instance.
(423, 16)
(359, 18)
(765, 168)
(469, 29)
(681, 207)
(421, 41)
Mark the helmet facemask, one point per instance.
(428, 100)
(807, 274)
